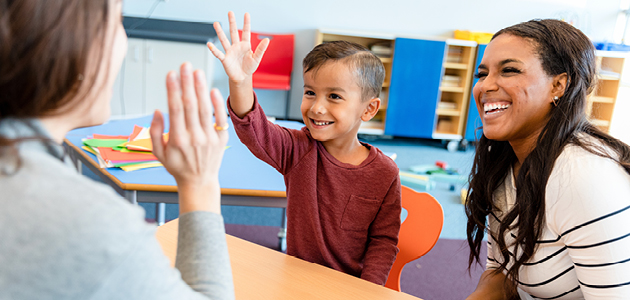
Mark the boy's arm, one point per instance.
(278, 146)
(239, 63)
(381, 249)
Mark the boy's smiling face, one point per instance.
(332, 108)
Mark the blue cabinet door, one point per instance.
(474, 120)
(414, 90)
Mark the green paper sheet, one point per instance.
(103, 143)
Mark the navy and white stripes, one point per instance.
(584, 250)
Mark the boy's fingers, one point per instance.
(246, 29)
(203, 96)
(175, 109)
(189, 98)
(215, 51)
(157, 128)
(233, 28)
(221, 35)
(260, 50)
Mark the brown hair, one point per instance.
(561, 48)
(47, 49)
(367, 67)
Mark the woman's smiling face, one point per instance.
(513, 94)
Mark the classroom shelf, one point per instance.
(457, 66)
(449, 112)
(452, 89)
(601, 104)
(600, 123)
(600, 99)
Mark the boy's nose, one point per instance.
(318, 108)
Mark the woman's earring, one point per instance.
(555, 98)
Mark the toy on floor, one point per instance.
(426, 176)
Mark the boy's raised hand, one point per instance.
(238, 61)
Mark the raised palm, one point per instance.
(239, 61)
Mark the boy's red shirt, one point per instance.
(339, 215)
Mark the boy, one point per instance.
(343, 195)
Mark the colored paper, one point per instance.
(143, 144)
(103, 143)
(110, 137)
(140, 166)
(109, 154)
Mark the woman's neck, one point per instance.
(522, 148)
(57, 127)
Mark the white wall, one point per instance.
(410, 17)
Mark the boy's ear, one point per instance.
(371, 110)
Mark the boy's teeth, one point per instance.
(494, 107)
(321, 123)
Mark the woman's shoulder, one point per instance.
(583, 178)
(50, 187)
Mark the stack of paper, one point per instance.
(129, 153)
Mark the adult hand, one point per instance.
(195, 146)
(238, 61)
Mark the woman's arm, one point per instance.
(193, 156)
(490, 287)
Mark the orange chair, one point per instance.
(418, 233)
(274, 71)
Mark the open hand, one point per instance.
(238, 61)
(195, 146)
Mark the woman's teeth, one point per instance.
(491, 108)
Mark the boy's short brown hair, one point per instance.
(368, 68)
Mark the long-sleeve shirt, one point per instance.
(64, 236)
(339, 215)
(584, 249)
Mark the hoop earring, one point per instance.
(554, 101)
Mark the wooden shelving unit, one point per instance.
(455, 89)
(377, 125)
(601, 104)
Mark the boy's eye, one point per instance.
(309, 93)
(335, 96)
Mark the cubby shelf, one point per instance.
(456, 66)
(602, 103)
(452, 89)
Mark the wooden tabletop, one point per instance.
(263, 273)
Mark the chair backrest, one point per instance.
(274, 71)
(418, 233)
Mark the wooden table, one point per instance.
(262, 273)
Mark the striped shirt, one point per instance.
(584, 248)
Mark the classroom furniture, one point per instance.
(245, 180)
(608, 106)
(382, 45)
(473, 121)
(275, 68)
(266, 274)
(419, 231)
(155, 47)
(430, 87)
